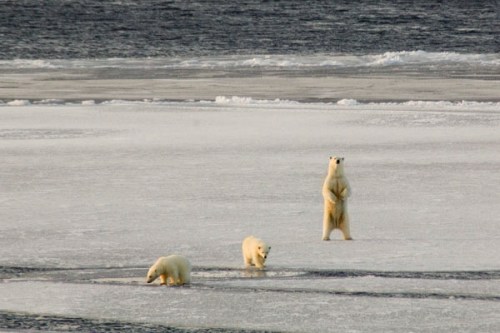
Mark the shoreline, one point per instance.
(307, 101)
(134, 85)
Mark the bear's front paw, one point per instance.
(326, 238)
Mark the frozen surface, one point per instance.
(389, 76)
(99, 191)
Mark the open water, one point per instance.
(66, 29)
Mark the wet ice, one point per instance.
(116, 185)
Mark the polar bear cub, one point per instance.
(174, 267)
(336, 190)
(255, 252)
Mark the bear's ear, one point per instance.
(331, 157)
(269, 248)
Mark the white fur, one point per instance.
(255, 252)
(336, 190)
(174, 267)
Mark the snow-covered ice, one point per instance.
(100, 190)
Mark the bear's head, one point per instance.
(152, 274)
(263, 250)
(336, 165)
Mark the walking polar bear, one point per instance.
(336, 190)
(175, 268)
(255, 252)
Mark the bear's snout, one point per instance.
(338, 161)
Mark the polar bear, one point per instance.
(175, 267)
(255, 252)
(336, 189)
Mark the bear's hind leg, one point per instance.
(185, 278)
(174, 279)
(327, 227)
(344, 227)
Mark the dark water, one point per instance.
(47, 29)
(39, 322)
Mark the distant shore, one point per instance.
(108, 84)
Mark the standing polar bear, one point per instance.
(174, 267)
(336, 189)
(255, 252)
